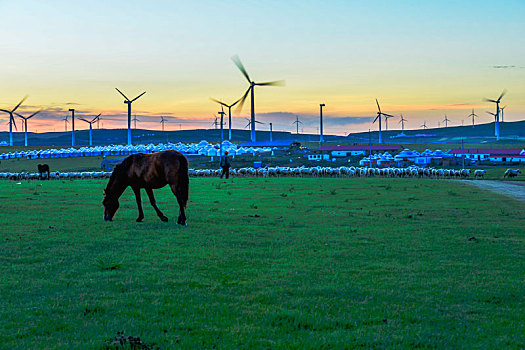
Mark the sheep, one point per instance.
(479, 173)
(511, 173)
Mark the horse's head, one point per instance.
(111, 205)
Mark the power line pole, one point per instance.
(321, 140)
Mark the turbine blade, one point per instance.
(120, 92)
(98, 116)
(87, 121)
(32, 115)
(489, 100)
(272, 83)
(261, 122)
(5, 110)
(233, 104)
(502, 94)
(242, 99)
(378, 115)
(19, 103)
(239, 65)
(136, 98)
(219, 102)
(14, 122)
(378, 106)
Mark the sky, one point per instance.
(422, 59)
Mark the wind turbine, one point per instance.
(386, 121)
(424, 126)
(65, 122)
(229, 114)
(25, 123)
(496, 115)
(12, 119)
(473, 115)
(129, 102)
(250, 122)
(162, 121)
(271, 131)
(502, 109)
(135, 120)
(90, 122)
(215, 122)
(446, 120)
(297, 122)
(251, 89)
(402, 121)
(378, 117)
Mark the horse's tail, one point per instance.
(183, 184)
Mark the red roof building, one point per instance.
(354, 150)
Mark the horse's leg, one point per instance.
(139, 203)
(182, 214)
(151, 196)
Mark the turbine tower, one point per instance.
(229, 114)
(446, 120)
(473, 115)
(251, 89)
(91, 122)
(297, 122)
(72, 110)
(271, 131)
(378, 118)
(129, 102)
(12, 119)
(25, 123)
(496, 115)
(402, 121)
(321, 139)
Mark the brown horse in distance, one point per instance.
(149, 171)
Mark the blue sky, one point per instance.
(419, 58)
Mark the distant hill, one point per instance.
(119, 136)
(482, 133)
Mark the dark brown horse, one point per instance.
(43, 168)
(149, 171)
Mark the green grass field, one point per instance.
(277, 263)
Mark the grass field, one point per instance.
(277, 263)
(93, 164)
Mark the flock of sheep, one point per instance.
(318, 171)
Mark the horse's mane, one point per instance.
(119, 173)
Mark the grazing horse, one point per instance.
(148, 171)
(43, 168)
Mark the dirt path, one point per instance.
(507, 188)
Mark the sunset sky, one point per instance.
(423, 59)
